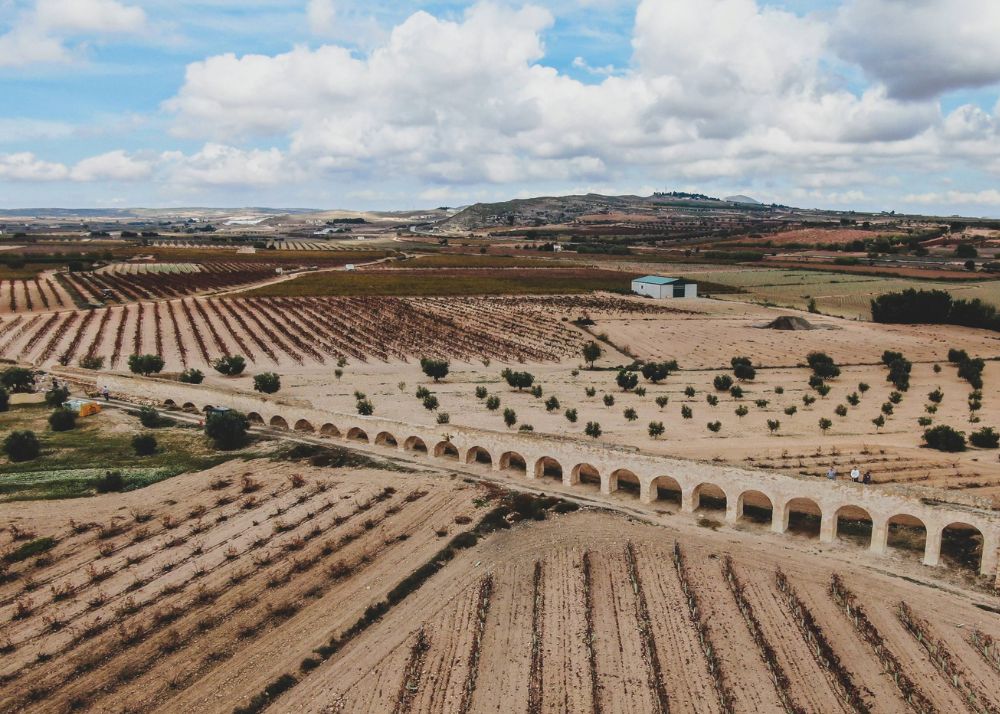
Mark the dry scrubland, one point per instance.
(201, 592)
(835, 293)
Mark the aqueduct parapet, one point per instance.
(574, 461)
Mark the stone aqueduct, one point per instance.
(612, 468)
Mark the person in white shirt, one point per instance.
(855, 474)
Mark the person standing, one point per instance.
(832, 473)
(106, 393)
(855, 474)
(867, 477)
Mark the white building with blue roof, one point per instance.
(660, 288)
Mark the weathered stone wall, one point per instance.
(612, 465)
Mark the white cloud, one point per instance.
(987, 197)
(322, 16)
(39, 35)
(220, 165)
(25, 166)
(922, 48)
(717, 89)
(89, 16)
(718, 93)
(112, 166)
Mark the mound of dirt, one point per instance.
(790, 322)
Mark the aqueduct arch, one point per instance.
(255, 418)
(329, 429)
(708, 497)
(586, 475)
(513, 461)
(754, 506)
(304, 426)
(415, 443)
(799, 515)
(278, 422)
(666, 488)
(478, 455)
(384, 438)
(446, 450)
(854, 524)
(901, 532)
(548, 467)
(961, 544)
(623, 480)
(358, 434)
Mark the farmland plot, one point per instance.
(309, 331)
(161, 608)
(607, 661)
(37, 295)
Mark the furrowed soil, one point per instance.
(198, 592)
(364, 674)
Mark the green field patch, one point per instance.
(541, 281)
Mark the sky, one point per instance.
(376, 104)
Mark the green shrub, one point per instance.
(656, 429)
(150, 418)
(227, 430)
(971, 370)
(56, 397)
(144, 444)
(145, 364)
(945, 438)
(267, 383)
(985, 438)
(481, 392)
(571, 416)
(714, 426)
(230, 365)
(365, 407)
(627, 380)
(21, 446)
(443, 418)
(722, 382)
(18, 380)
(823, 365)
(110, 482)
(93, 363)
(62, 419)
(192, 376)
(436, 369)
(518, 380)
(593, 429)
(956, 356)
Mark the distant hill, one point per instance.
(743, 199)
(549, 210)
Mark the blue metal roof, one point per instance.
(655, 280)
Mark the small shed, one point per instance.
(658, 287)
